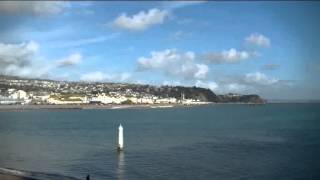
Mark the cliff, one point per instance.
(252, 98)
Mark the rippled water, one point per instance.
(273, 141)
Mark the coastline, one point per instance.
(84, 107)
(111, 106)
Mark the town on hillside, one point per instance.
(14, 90)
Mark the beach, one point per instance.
(87, 106)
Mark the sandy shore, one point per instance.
(79, 107)
(110, 106)
(11, 177)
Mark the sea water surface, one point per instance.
(272, 141)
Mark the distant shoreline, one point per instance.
(84, 107)
(110, 106)
(114, 106)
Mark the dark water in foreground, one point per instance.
(273, 141)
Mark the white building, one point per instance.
(109, 99)
(7, 100)
(41, 98)
(145, 100)
(19, 95)
(67, 100)
(134, 100)
(58, 101)
(166, 101)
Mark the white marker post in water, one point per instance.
(120, 138)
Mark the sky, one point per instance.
(266, 48)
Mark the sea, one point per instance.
(219, 141)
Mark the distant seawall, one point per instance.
(113, 106)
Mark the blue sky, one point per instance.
(268, 48)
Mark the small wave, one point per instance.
(35, 175)
(12, 172)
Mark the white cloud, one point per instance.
(190, 70)
(94, 76)
(19, 59)
(228, 56)
(210, 84)
(171, 83)
(259, 78)
(162, 59)
(33, 71)
(32, 7)
(18, 54)
(142, 20)
(98, 76)
(174, 63)
(250, 83)
(15, 56)
(71, 60)
(235, 88)
(122, 77)
(23, 60)
(258, 40)
(224, 88)
(202, 71)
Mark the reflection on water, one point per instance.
(121, 165)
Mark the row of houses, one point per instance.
(22, 97)
(105, 99)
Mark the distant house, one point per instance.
(17, 94)
(104, 99)
(166, 100)
(8, 100)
